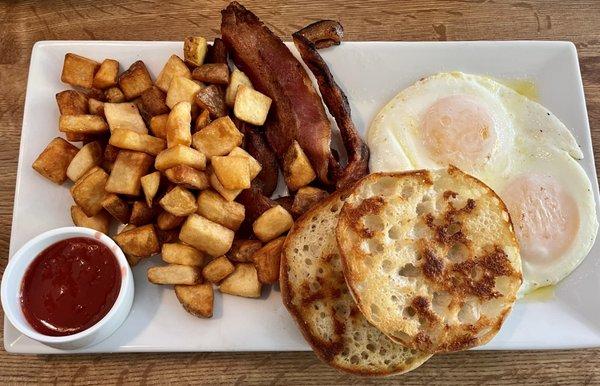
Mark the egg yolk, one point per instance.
(458, 130)
(545, 217)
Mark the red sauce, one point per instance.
(70, 286)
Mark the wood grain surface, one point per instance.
(22, 23)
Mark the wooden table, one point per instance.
(25, 22)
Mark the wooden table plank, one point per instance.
(25, 22)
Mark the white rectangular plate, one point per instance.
(371, 73)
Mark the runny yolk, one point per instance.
(458, 130)
(545, 217)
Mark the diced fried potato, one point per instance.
(179, 123)
(158, 125)
(214, 73)
(187, 177)
(124, 116)
(127, 171)
(217, 270)
(214, 207)
(154, 101)
(131, 140)
(107, 74)
(182, 89)
(111, 153)
(138, 243)
(267, 261)
(297, 170)
(238, 78)
(87, 157)
(96, 107)
(141, 213)
(242, 282)
(172, 68)
(218, 138)
(135, 80)
(150, 183)
(174, 274)
(232, 171)
(211, 98)
(82, 124)
(71, 102)
(272, 223)
(180, 155)
(167, 221)
(88, 193)
(194, 50)
(178, 253)
(206, 236)
(202, 121)
(196, 299)
(228, 194)
(251, 106)
(117, 207)
(78, 71)
(99, 222)
(114, 95)
(179, 202)
(242, 250)
(253, 165)
(127, 227)
(305, 198)
(54, 161)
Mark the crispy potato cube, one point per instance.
(196, 299)
(78, 71)
(214, 207)
(82, 124)
(71, 102)
(305, 198)
(272, 223)
(251, 106)
(124, 116)
(138, 243)
(253, 164)
(180, 155)
(99, 222)
(242, 282)
(174, 67)
(202, 121)
(107, 74)
(232, 171)
(150, 183)
(214, 73)
(127, 171)
(96, 107)
(194, 50)
(211, 98)
(218, 138)
(154, 101)
(206, 236)
(238, 78)
(178, 253)
(267, 261)
(127, 227)
(117, 207)
(228, 194)
(88, 193)
(173, 274)
(141, 213)
(242, 250)
(87, 157)
(187, 177)
(181, 89)
(167, 221)
(179, 202)
(111, 153)
(297, 170)
(135, 80)
(179, 123)
(217, 270)
(132, 140)
(158, 125)
(114, 95)
(54, 161)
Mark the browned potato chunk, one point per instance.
(238, 78)
(127, 171)
(251, 106)
(202, 121)
(124, 116)
(228, 194)
(141, 213)
(138, 243)
(82, 124)
(99, 222)
(114, 95)
(242, 282)
(167, 221)
(272, 223)
(242, 250)
(180, 155)
(127, 227)
(218, 269)
(88, 193)
(253, 164)
(173, 274)
(218, 138)
(54, 161)
(179, 123)
(211, 98)
(182, 89)
(178, 253)
(297, 170)
(179, 202)
(96, 107)
(196, 299)
(205, 235)
(194, 50)
(117, 207)
(135, 80)
(215, 73)
(71, 102)
(187, 177)
(158, 125)
(174, 67)
(78, 71)
(107, 74)
(131, 140)
(150, 183)
(232, 171)
(154, 101)
(305, 198)
(215, 208)
(87, 157)
(267, 260)
(110, 153)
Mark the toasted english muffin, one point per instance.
(430, 257)
(315, 293)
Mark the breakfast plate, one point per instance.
(371, 73)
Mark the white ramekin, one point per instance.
(17, 266)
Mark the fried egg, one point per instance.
(514, 145)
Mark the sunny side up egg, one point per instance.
(513, 144)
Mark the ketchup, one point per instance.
(70, 286)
